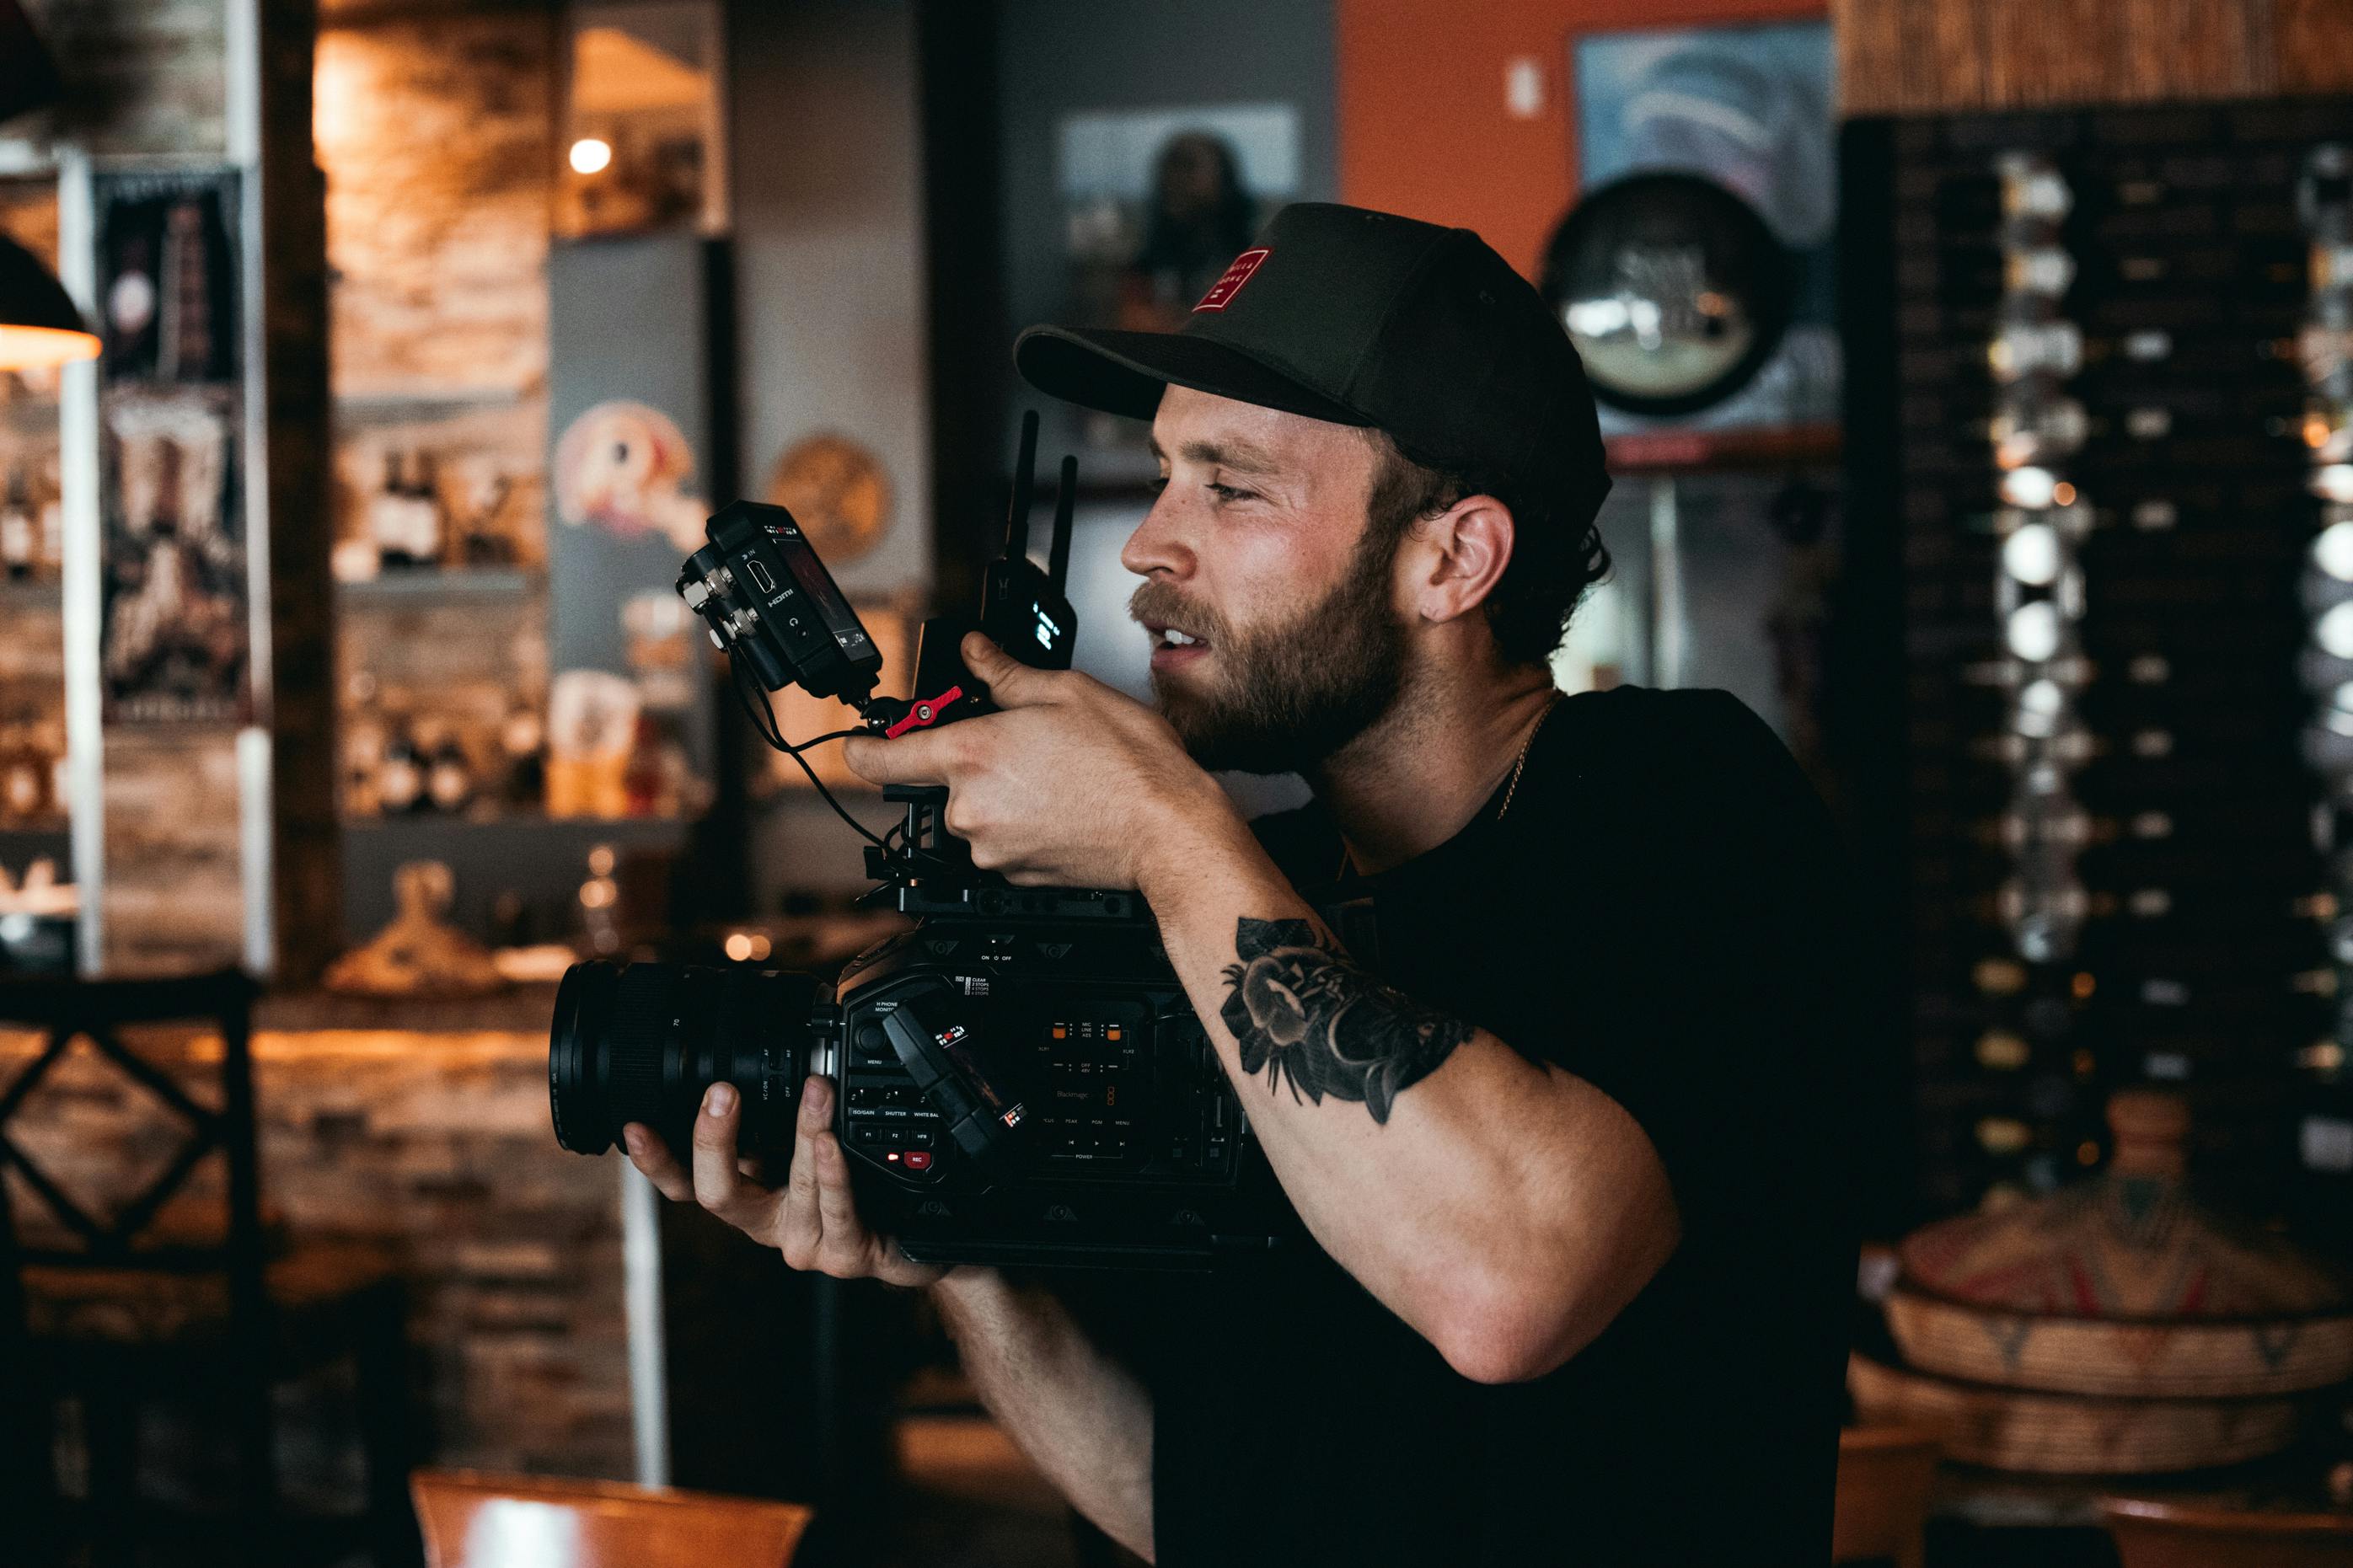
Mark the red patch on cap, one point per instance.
(1222, 292)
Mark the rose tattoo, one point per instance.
(1302, 1011)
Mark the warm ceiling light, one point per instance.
(591, 156)
(38, 324)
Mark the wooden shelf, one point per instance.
(629, 829)
(422, 406)
(401, 585)
(1765, 450)
(21, 846)
(32, 593)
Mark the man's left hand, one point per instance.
(1072, 785)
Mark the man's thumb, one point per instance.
(1009, 681)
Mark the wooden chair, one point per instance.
(2202, 1535)
(474, 1520)
(181, 1294)
(1884, 1477)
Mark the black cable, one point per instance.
(769, 732)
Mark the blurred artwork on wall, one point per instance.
(836, 487)
(1157, 202)
(621, 466)
(1751, 109)
(175, 593)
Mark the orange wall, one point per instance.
(1423, 130)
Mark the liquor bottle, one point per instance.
(522, 740)
(643, 781)
(18, 546)
(24, 776)
(388, 515)
(449, 776)
(400, 781)
(483, 542)
(365, 751)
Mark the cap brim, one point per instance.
(1125, 372)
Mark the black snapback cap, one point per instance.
(1363, 318)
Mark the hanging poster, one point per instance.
(174, 616)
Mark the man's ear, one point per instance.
(1465, 548)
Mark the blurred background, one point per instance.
(1978, 379)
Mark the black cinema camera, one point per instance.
(1022, 1080)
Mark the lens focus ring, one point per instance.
(645, 1012)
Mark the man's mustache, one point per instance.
(1164, 606)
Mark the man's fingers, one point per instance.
(798, 1231)
(842, 1241)
(919, 756)
(718, 1185)
(653, 1159)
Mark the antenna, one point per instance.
(1016, 517)
(1066, 496)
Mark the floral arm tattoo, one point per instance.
(1299, 1010)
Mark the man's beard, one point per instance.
(1286, 697)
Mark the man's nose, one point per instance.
(1158, 544)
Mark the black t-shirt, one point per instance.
(1664, 912)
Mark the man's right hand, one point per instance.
(810, 1219)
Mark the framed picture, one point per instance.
(174, 594)
(1155, 203)
(1752, 109)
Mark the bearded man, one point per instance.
(1562, 1118)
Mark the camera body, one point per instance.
(1022, 1077)
(1128, 1144)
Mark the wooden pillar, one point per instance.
(1920, 57)
(298, 675)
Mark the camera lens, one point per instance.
(642, 1042)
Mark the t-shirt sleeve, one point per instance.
(1703, 911)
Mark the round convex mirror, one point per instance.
(1673, 288)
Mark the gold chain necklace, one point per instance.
(1521, 766)
(1518, 767)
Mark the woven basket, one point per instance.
(2064, 1434)
(2165, 1358)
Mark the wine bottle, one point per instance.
(364, 756)
(400, 781)
(427, 520)
(449, 776)
(388, 515)
(18, 547)
(24, 776)
(522, 738)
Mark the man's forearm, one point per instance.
(1505, 1209)
(1082, 1417)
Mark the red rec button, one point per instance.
(916, 1158)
